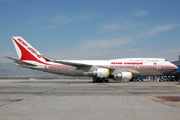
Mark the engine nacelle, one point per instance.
(100, 72)
(124, 76)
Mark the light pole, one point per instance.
(137, 48)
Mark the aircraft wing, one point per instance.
(74, 64)
(19, 62)
(84, 66)
(81, 65)
(47, 58)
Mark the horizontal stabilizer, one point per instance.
(22, 63)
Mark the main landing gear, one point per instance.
(100, 80)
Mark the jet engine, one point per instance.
(100, 72)
(123, 75)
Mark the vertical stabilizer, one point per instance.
(25, 51)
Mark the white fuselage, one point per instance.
(143, 66)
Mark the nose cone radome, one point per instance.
(175, 67)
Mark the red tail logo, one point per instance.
(31, 55)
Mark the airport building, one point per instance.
(177, 73)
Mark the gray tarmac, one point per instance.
(84, 100)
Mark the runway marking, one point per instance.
(177, 86)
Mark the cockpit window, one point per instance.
(166, 60)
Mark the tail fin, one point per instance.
(25, 51)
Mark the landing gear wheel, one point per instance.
(106, 81)
(100, 80)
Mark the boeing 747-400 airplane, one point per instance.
(99, 70)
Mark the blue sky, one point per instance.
(92, 29)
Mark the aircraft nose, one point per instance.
(175, 67)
